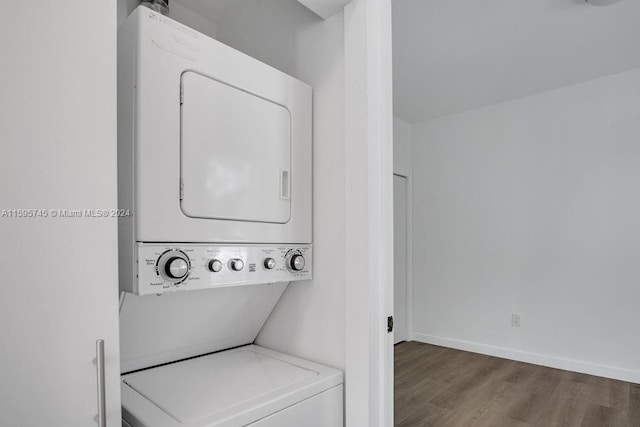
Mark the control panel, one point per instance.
(172, 267)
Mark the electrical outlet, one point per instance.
(515, 320)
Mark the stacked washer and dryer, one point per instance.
(214, 179)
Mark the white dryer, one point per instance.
(214, 150)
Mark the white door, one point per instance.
(400, 258)
(235, 153)
(59, 290)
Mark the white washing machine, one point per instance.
(214, 191)
(249, 385)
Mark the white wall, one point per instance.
(281, 33)
(532, 207)
(309, 319)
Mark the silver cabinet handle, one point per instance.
(102, 404)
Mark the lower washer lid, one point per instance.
(214, 388)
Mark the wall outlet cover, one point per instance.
(515, 320)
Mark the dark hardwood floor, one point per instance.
(437, 386)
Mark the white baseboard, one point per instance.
(533, 358)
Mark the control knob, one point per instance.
(269, 263)
(176, 268)
(296, 262)
(215, 265)
(173, 266)
(237, 264)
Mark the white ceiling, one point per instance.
(456, 55)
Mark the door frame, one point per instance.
(409, 249)
(369, 213)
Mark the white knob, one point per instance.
(177, 268)
(215, 265)
(237, 264)
(297, 262)
(269, 263)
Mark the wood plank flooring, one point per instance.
(438, 386)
